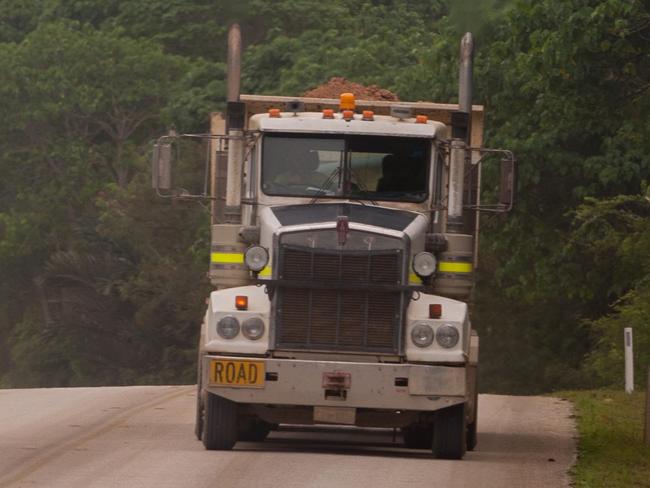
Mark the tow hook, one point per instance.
(336, 385)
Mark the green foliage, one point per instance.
(564, 84)
(85, 109)
(369, 42)
(611, 453)
(611, 245)
(18, 18)
(606, 361)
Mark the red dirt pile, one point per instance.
(335, 86)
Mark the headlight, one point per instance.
(256, 258)
(228, 327)
(424, 264)
(447, 336)
(253, 328)
(422, 335)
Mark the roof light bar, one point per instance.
(347, 102)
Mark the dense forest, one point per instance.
(103, 283)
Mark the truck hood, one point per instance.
(382, 220)
(328, 212)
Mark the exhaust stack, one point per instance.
(455, 275)
(460, 136)
(225, 273)
(465, 83)
(234, 63)
(235, 124)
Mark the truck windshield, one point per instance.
(355, 166)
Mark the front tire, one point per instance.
(449, 438)
(418, 436)
(471, 436)
(219, 423)
(253, 430)
(198, 424)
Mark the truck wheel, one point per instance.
(253, 430)
(472, 427)
(219, 423)
(473, 422)
(198, 424)
(418, 436)
(449, 435)
(471, 436)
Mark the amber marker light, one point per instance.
(421, 119)
(435, 311)
(274, 112)
(241, 302)
(368, 115)
(328, 113)
(347, 102)
(348, 114)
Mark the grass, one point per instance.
(611, 452)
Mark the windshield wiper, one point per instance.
(326, 184)
(362, 189)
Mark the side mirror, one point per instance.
(161, 166)
(507, 182)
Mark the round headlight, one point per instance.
(228, 327)
(256, 258)
(253, 328)
(447, 336)
(422, 335)
(424, 264)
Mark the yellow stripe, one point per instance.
(227, 257)
(265, 272)
(454, 267)
(413, 278)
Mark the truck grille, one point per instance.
(330, 305)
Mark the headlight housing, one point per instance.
(228, 327)
(447, 336)
(424, 264)
(253, 328)
(422, 335)
(256, 258)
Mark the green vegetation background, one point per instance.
(103, 283)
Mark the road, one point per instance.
(142, 436)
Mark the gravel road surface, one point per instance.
(143, 436)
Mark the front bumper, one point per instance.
(371, 385)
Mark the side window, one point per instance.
(438, 165)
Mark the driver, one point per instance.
(302, 171)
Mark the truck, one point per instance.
(343, 253)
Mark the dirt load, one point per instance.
(335, 86)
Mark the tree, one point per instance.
(566, 87)
(85, 109)
(613, 236)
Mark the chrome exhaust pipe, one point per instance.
(460, 136)
(235, 127)
(234, 63)
(465, 83)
